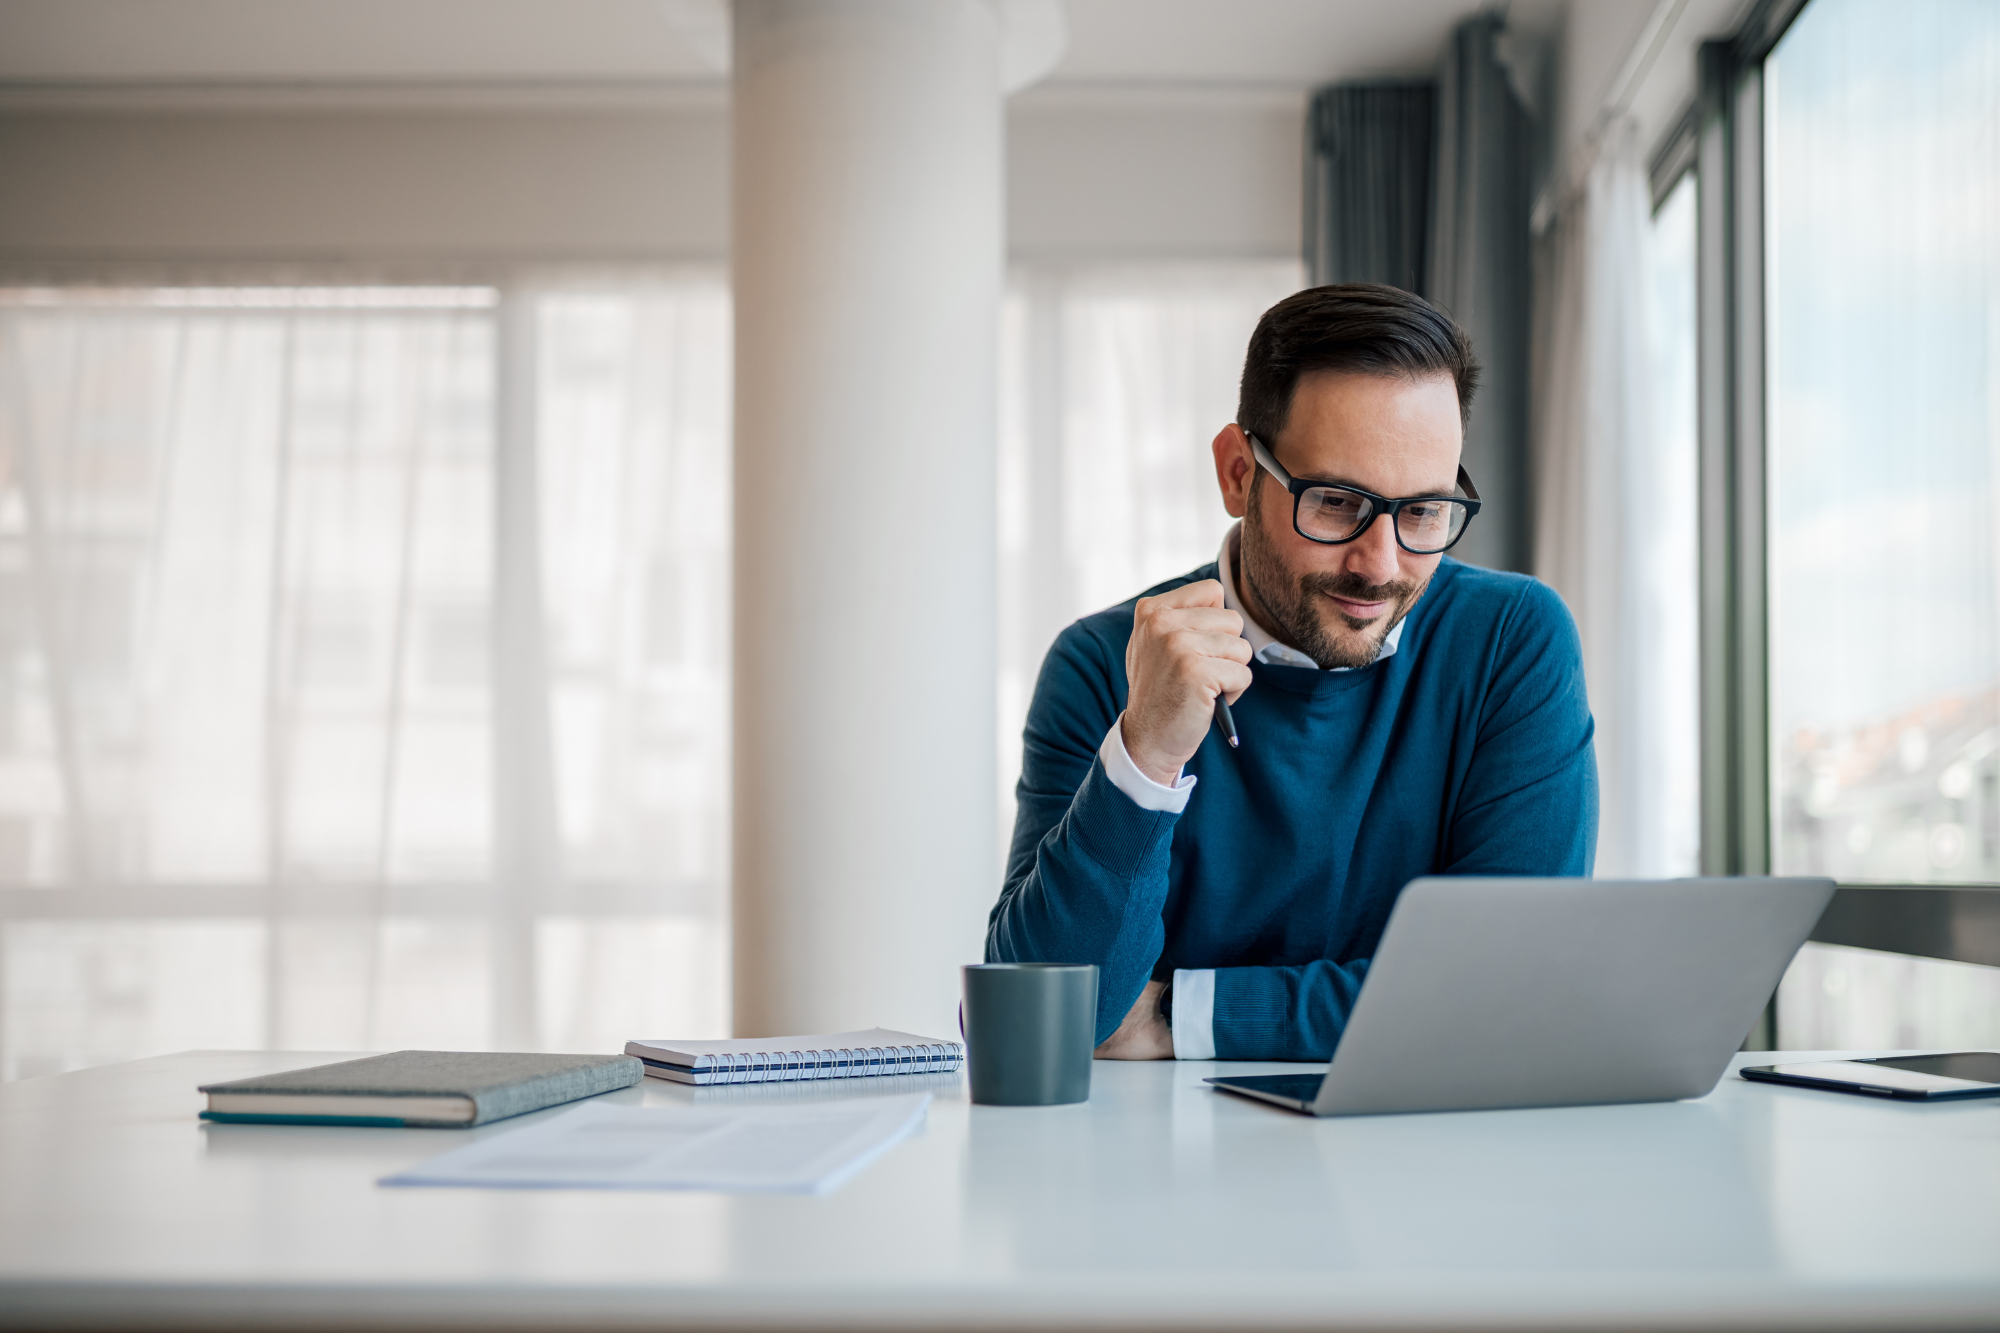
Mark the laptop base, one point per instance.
(1295, 1092)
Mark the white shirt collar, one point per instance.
(1264, 645)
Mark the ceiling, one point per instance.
(218, 42)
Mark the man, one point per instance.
(1400, 714)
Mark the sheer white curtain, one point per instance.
(1615, 511)
(1114, 378)
(248, 704)
(633, 484)
(265, 559)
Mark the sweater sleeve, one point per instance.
(1528, 802)
(1284, 1013)
(1087, 870)
(1527, 805)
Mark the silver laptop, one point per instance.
(1489, 993)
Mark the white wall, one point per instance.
(1155, 174)
(1145, 174)
(1597, 37)
(360, 184)
(1602, 58)
(640, 172)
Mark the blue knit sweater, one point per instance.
(1467, 752)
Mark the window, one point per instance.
(1882, 212)
(251, 577)
(1670, 262)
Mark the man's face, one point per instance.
(1391, 435)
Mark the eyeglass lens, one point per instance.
(1331, 514)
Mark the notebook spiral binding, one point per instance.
(863, 1062)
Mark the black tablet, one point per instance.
(1921, 1078)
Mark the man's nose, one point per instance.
(1374, 555)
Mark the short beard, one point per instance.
(1295, 605)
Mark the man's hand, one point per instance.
(1144, 1035)
(1185, 649)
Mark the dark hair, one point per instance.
(1352, 326)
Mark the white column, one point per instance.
(867, 254)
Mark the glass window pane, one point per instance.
(1883, 209)
(1884, 366)
(1837, 999)
(1671, 843)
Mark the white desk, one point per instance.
(1158, 1204)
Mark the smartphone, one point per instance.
(1919, 1078)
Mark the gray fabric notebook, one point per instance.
(419, 1088)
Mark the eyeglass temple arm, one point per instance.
(1270, 463)
(1465, 483)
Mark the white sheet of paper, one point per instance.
(802, 1148)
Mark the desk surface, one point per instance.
(1159, 1203)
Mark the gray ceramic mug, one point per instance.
(1030, 1032)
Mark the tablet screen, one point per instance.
(1973, 1066)
(1961, 1071)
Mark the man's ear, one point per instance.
(1235, 468)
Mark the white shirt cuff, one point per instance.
(1194, 1013)
(1126, 777)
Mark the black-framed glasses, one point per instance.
(1332, 515)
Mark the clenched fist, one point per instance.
(1186, 648)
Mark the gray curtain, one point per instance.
(1368, 183)
(1480, 269)
(1429, 187)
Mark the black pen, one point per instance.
(1225, 720)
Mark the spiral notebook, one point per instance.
(874, 1052)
